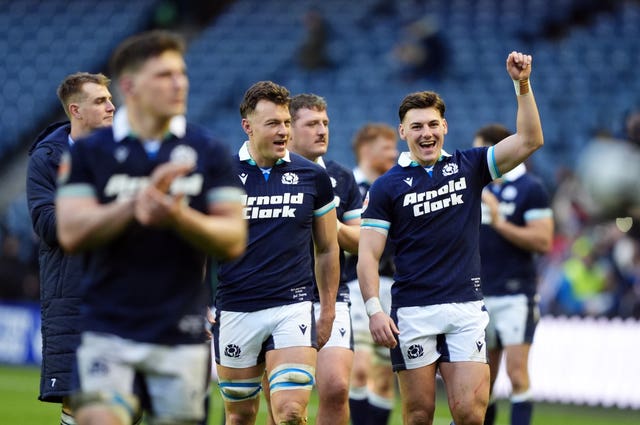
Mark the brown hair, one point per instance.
(267, 90)
(369, 133)
(70, 89)
(421, 100)
(306, 101)
(134, 51)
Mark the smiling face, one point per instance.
(268, 127)
(310, 133)
(424, 130)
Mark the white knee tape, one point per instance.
(240, 389)
(292, 376)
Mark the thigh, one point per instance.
(418, 393)
(467, 385)
(333, 369)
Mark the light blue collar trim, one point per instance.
(122, 128)
(244, 155)
(404, 160)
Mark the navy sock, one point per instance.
(358, 409)
(521, 413)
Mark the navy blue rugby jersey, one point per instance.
(348, 203)
(432, 217)
(506, 268)
(147, 284)
(276, 268)
(386, 267)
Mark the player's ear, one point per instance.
(401, 131)
(74, 110)
(445, 126)
(246, 126)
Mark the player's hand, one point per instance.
(164, 174)
(211, 320)
(155, 208)
(383, 330)
(519, 65)
(324, 325)
(492, 203)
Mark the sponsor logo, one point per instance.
(303, 328)
(243, 177)
(409, 181)
(342, 331)
(274, 206)
(434, 200)
(124, 186)
(479, 344)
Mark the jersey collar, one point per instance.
(515, 174)
(404, 160)
(244, 155)
(122, 128)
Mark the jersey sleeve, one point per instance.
(224, 185)
(324, 199)
(538, 203)
(376, 209)
(74, 172)
(353, 208)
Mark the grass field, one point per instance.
(19, 405)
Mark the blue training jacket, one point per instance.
(59, 273)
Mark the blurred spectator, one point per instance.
(313, 54)
(18, 281)
(423, 51)
(587, 285)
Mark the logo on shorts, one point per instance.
(479, 344)
(342, 331)
(303, 328)
(99, 367)
(232, 350)
(415, 351)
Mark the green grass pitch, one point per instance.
(19, 405)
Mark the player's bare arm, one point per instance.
(528, 137)
(382, 327)
(327, 267)
(349, 235)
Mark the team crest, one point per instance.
(509, 193)
(450, 169)
(121, 154)
(183, 154)
(290, 178)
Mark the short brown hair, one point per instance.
(267, 90)
(70, 89)
(306, 101)
(421, 100)
(493, 133)
(369, 133)
(134, 51)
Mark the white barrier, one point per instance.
(583, 361)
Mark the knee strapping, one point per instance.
(291, 376)
(125, 407)
(240, 389)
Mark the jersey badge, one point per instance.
(450, 169)
(290, 178)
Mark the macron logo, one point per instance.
(409, 181)
(243, 177)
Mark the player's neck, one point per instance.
(369, 173)
(148, 127)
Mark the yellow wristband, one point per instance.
(521, 86)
